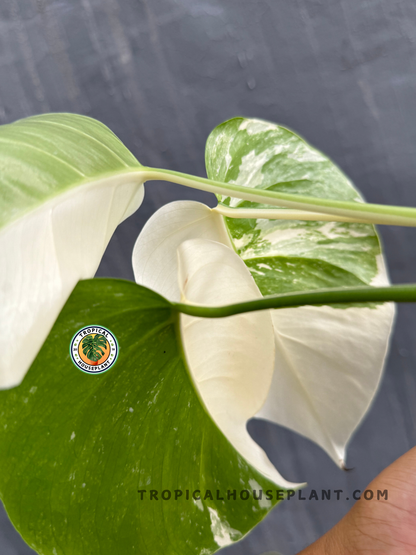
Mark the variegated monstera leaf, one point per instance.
(328, 359)
(66, 182)
(80, 453)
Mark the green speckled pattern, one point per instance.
(75, 448)
(285, 255)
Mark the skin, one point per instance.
(378, 527)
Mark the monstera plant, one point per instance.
(94, 347)
(267, 306)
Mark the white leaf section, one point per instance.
(44, 254)
(231, 359)
(155, 262)
(328, 366)
(328, 361)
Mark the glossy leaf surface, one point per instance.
(64, 188)
(320, 351)
(76, 448)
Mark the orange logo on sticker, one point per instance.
(94, 349)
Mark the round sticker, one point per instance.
(94, 349)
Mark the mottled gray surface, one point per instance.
(163, 73)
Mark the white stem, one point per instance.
(279, 214)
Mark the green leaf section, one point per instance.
(289, 255)
(297, 274)
(76, 448)
(43, 156)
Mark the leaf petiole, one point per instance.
(278, 214)
(347, 210)
(394, 293)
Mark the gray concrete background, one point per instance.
(162, 74)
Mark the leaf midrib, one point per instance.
(71, 190)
